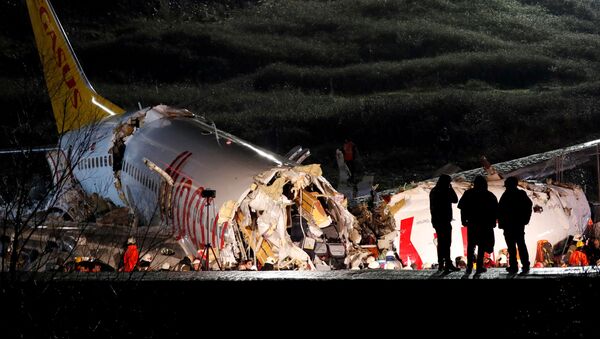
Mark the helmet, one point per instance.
(580, 244)
(147, 258)
(166, 266)
(270, 260)
(130, 240)
(374, 264)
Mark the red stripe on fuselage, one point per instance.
(463, 231)
(173, 171)
(184, 185)
(406, 246)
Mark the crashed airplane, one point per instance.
(558, 211)
(402, 221)
(168, 164)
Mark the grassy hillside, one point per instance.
(506, 77)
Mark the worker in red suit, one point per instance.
(131, 256)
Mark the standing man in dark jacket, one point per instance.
(441, 198)
(514, 213)
(479, 209)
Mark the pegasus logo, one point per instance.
(59, 55)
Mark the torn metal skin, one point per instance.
(263, 214)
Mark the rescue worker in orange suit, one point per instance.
(514, 212)
(441, 198)
(349, 156)
(478, 212)
(131, 256)
(578, 258)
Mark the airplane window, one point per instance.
(109, 160)
(104, 162)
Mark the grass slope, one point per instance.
(506, 77)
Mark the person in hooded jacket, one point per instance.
(478, 212)
(514, 212)
(441, 198)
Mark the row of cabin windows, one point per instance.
(95, 162)
(141, 177)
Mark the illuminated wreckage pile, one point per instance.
(298, 199)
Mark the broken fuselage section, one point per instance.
(174, 168)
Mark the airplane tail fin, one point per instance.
(74, 101)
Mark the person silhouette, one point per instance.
(514, 212)
(479, 209)
(441, 198)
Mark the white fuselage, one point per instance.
(195, 155)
